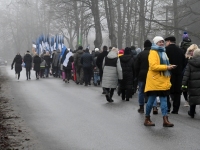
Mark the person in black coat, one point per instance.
(191, 81)
(18, 64)
(99, 62)
(67, 65)
(87, 62)
(28, 64)
(176, 57)
(47, 64)
(127, 64)
(37, 61)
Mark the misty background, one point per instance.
(95, 23)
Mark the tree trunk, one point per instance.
(95, 12)
(120, 32)
(175, 3)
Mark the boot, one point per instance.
(141, 109)
(166, 122)
(148, 121)
(155, 110)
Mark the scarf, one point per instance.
(65, 63)
(163, 57)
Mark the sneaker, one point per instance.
(186, 104)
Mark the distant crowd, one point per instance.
(162, 70)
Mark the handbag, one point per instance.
(23, 65)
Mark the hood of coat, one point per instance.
(28, 55)
(80, 52)
(112, 55)
(195, 61)
(125, 58)
(134, 52)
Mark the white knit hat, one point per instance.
(157, 39)
(96, 49)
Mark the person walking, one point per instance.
(47, 63)
(18, 65)
(78, 65)
(99, 62)
(141, 69)
(112, 72)
(28, 65)
(173, 52)
(127, 64)
(55, 63)
(67, 65)
(158, 80)
(87, 62)
(191, 82)
(36, 62)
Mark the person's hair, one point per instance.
(80, 48)
(105, 48)
(133, 47)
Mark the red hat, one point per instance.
(121, 51)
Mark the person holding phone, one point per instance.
(176, 57)
(158, 80)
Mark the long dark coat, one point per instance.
(127, 64)
(18, 63)
(28, 61)
(37, 61)
(47, 60)
(176, 57)
(191, 79)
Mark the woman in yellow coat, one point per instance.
(158, 80)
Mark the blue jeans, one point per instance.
(163, 105)
(46, 72)
(96, 77)
(141, 97)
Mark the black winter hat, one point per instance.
(187, 39)
(127, 51)
(147, 43)
(170, 38)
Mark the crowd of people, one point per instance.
(161, 70)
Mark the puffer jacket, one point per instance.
(112, 70)
(156, 81)
(191, 79)
(127, 65)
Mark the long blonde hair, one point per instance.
(191, 50)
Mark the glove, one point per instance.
(184, 88)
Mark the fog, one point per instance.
(94, 23)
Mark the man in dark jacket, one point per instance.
(87, 62)
(99, 62)
(47, 64)
(173, 52)
(78, 65)
(141, 69)
(28, 64)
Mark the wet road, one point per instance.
(66, 116)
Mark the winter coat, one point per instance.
(18, 63)
(142, 65)
(191, 79)
(47, 60)
(56, 57)
(184, 46)
(134, 54)
(112, 70)
(87, 60)
(127, 65)
(100, 59)
(173, 52)
(77, 59)
(28, 61)
(37, 61)
(155, 80)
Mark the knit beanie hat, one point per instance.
(157, 39)
(96, 49)
(185, 34)
(147, 43)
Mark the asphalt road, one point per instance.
(66, 116)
